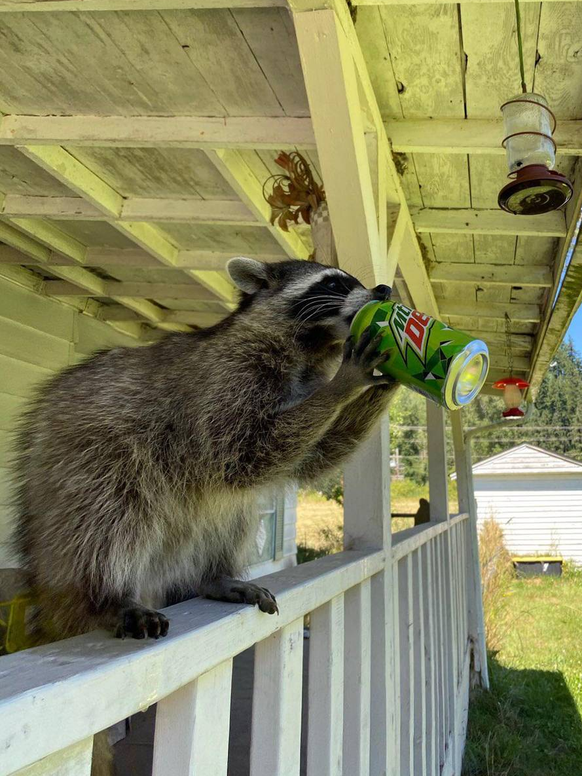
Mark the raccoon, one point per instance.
(139, 470)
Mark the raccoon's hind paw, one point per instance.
(237, 592)
(139, 622)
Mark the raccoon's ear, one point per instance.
(247, 274)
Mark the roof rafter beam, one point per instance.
(130, 326)
(28, 243)
(36, 6)
(520, 343)
(116, 289)
(469, 136)
(496, 222)
(492, 274)
(235, 170)
(191, 317)
(518, 312)
(70, 172)
(252, 132)
(224, 212)
(201, 211)
(368, 209)
(133, 258)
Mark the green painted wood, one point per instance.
(20, 378)
(92, 335)
(11, 407)
(32, 346)
(20, 305)
(6, 491)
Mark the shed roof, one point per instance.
(526, 459)
(135, 143)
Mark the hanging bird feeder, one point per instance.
(531, 154)
(512, 397)
(529, 125)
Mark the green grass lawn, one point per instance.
(530, 723)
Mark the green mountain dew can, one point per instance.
(428, 356)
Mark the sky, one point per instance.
(575, 331)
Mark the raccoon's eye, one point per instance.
(332, 285)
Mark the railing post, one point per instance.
(367, 524)
(464, 467)
(438, 485)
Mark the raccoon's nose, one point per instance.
(381, 293)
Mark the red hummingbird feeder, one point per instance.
(512, 388)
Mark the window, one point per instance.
(268, 544)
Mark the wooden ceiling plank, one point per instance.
(492, 72)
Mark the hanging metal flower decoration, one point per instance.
(292, 195)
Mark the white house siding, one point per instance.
(38, 337)
(536, 497)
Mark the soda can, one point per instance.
(428, 356)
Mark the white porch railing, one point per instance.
(390, 650)
(55, 698)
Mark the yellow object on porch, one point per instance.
(13, 631)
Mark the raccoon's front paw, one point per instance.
(237, 592)
(139, 622)
(360, 360)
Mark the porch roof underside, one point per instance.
(134, 147)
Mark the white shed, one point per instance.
(536, 497)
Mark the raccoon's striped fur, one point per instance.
(139, 469)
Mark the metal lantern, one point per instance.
(531, 154)
(512, 388)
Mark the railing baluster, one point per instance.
(456, 605)
(411, 665)
(460, 576)
(357, 671)
(442, 649)
(466, 577)
(73, 761)
(451, 638)
(419, 667)
(326, 677)
(405, 667)
(277, 694)
(190, 718)
(430, 658)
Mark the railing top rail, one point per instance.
(405, 542)
(53, 696)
